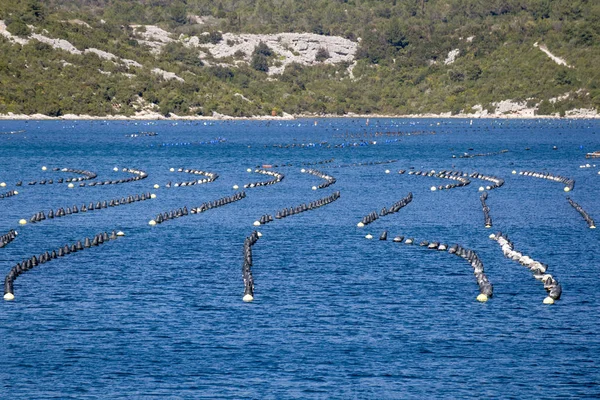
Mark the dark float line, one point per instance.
(45, 257)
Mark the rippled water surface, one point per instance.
(159, 312)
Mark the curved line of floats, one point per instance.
(394, 208)
(251, 240)
(568, 182)
(61, 212)
(583, 213)
(537, 268)
(209, 177)
(47, 256)
(278, 177)
(486, 290)
(329, 180)
(8, 237)
(181, 212)
(452, 175)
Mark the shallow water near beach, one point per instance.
(159, 312)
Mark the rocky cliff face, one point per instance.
(300, 48)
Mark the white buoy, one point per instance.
(492, 236)
(247, 298)
(116, 169)
(482, 298)
(249, 170)
(387, 171)
(172, 169)
(70, 186)
(152, 222)
(44, 168)
(3, 184)
(548, 300)
(9, 296)
(314, 188)
(360, 225)
(433, 188)
(369, 236)
(567, 189)
(481, 188)
(258, 234)
(16, 192)
(598, 172)
(514, 172)
(592, 226)
(256, 223)
(120, 233)
(156, 186)
(303, 170)
(236, 187)
(22, 222)
(152, 196)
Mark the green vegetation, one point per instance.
(400, 59)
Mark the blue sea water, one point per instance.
(159, 312)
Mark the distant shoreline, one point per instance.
(285, 117)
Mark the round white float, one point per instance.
(3, 184)
(236, 187)
(152, 196)
(70, 186)
(548, 300)
(256, 223)
(156, 186)
(482, 298)
(22, 222)
(115, 169)
(9, 296)
(172, 169)
(433, 188)
(360, 225)
(314, 188)
(44, 168)
(567, 189)
(387, 171)
(481, 188)
(152, 222)
(247, 298)
(120, 233)
(369, 236)
(249, 170)
(514, 172)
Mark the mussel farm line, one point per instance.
(61, 212)
(8, 194)
(394, 208)
(583, 213)
(537, 268)
(487, 219)
(486, 290)
(286, 212)
(278, 177)
(209, 177)
(568, 182)
(45, 257)
(329, 180)
(183, 211)
(8, 237)
(452, 175)
(247, 266)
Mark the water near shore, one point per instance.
(159, 312)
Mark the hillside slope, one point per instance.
(242, 58)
